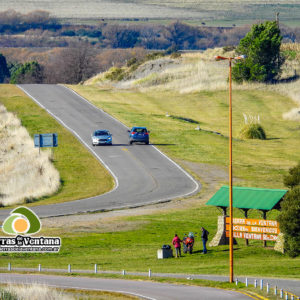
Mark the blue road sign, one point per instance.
(45, 140)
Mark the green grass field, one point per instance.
(256, 163)
(135, 250)
(79, 178)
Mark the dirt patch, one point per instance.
(211, 178)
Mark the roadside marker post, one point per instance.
(281, 293)
(9, 267)
(69, 268)
(246, 282)
(268, 288)
(123, 272)
(255, 283)
(150, 273)
(40, 268)
(96, 269)
(261, 284)
(275, 290)
(236, 281)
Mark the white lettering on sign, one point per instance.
(253, 236)
(253, 222)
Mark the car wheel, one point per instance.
(93, 145)
(147, 143)
(130, 142)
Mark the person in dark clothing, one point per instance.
(204, 237)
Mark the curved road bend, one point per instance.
(143, 289)
(143, 175)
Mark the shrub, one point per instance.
(175, 55)
(30, 72)
(131, 61)
(293, 178)
(4, 72)
(289, 220)
(229, 48)
(253, 131)
(6, 295)
(115, 74)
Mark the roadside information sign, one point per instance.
(254, 229)
(45, 140)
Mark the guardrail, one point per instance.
(281, 293)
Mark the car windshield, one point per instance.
(101, 132)
(140, 130)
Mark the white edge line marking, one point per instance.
(178, 166)
(103, 290)
(10, 281)
(80, 139)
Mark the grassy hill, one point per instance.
(220, 12)
(191, 98)
(193, 91)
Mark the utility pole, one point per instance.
(277, 18)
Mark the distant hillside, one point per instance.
(218, 12)
(198, 71)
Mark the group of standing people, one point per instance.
(177, 242)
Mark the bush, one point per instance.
(293, 178)
(4, 72)
(6, 295)
(253, 131)
(175, 55)
(115, 74)
(289, 220)
(30, 72)
(229, 48)
(131, 61)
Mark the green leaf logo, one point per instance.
(22, 220)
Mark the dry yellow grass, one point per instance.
(291, 47)
(37, 292)
(195, 72)
(24, 173)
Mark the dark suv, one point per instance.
(139, 134)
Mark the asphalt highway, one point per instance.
(142, 289)
(142, 174)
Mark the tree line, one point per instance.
(40, 29)
(70, 65)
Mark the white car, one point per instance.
(101, 137)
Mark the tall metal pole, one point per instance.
(230, 177)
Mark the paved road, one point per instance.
(142, 174)
(289, 285)
(143, 289)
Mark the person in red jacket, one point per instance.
(176, 242)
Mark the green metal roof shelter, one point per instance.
(248, 198)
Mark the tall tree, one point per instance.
(262, 47)
(4, 72)
(73, 65)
